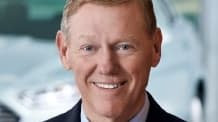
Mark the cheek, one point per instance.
(81, 73)
(138, 69)
(81, 68)
(138, 65)
(140, 77)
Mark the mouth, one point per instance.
(109, 85)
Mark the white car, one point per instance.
(33, 82)
(177, 81)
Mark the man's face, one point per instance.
(111, 54)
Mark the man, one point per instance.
(110, 46)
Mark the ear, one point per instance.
(157, 39)
(62, 49)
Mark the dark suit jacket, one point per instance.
(155, 114)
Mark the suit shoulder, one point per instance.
(59, 118)
(157, 114)
(171, 118)
(70, 116)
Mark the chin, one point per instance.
(110, 110)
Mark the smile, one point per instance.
(108, 85)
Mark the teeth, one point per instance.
(107, 86)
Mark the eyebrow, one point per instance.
(93, 38)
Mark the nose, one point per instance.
(108, 62)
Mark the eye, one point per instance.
(125, 48)
(87, 49)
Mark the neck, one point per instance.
(127, 113)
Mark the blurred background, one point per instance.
(34, 86)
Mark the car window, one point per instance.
(47, 9)
(36, 18)
(41, 18)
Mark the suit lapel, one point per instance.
(155, 113)
(74, 114)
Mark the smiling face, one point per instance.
(110, 53)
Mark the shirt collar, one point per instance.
(83, 116)
(140, 117)
(143, 113)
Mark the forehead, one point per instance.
(123, 18)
